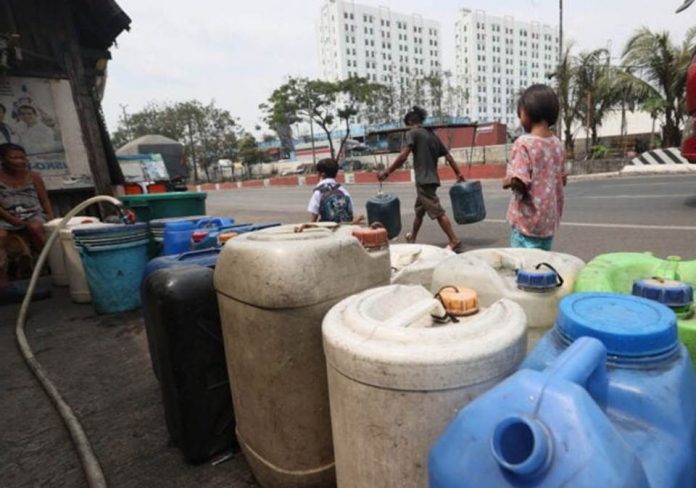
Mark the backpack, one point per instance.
(334, 205)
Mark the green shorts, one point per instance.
(428, 202)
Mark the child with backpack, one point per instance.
(330, 201)
(535, 173)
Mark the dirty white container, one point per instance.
(413, 264)
(56, 256)
(513, 274)
(77, 280)
(397, 377)
(274, 288)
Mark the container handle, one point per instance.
(198, 252)
(559, 278)
(328, 225)
(584, 363)
(404, 319)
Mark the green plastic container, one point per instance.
(165, 205)
(616, 272)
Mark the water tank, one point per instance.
(535, 279)
(274, 288)
(172, 152)
(399, 370)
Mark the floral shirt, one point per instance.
(539, 163)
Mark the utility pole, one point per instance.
(560, 28)
(126, 120)
(193, 152)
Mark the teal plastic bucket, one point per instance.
(114, 273)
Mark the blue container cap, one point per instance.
(673, 294)
(628, 326)
(537, 279)
(180, 226)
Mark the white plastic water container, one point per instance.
(413, 264)
(518, 275)
(397, 377)
(274, 288)
(77, 280)
(56, 256)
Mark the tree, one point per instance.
(661, 63)
(208, 132)
(595, 92)
(320, 102)
(249, 152)
(567, 97)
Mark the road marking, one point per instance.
(610, 197)
(612, 226)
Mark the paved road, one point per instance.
(650, 213)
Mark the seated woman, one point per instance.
(24, 208)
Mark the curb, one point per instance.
(475, 172)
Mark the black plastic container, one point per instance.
(186, 336)
(385, 208)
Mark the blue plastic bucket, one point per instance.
(114, 274)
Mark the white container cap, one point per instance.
(386, 337)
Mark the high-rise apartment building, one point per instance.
(498, 57)
(375, 43)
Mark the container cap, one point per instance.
(227, 236)
(628, 326)
(199, 235)
(459, 301)
(673, 294)
(537, 279)
(372, 237)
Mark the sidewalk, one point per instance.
(102, 368)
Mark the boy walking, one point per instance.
(427, 148)
(330, 201)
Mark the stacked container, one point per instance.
(413, 264)
(397, 375)
(77, 281)
(274, 288)
(608, 398)
(535, 279)
(114, 260)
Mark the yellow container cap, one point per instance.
(459, 300)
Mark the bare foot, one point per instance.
(409, 238)
(453, 246)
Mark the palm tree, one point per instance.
(565, 74)
(595, 94)
(661, 63)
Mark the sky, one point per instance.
(237, 51)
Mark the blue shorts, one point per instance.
(518, 239)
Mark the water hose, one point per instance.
(90, 464)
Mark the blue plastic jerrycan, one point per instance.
(385, 208)
(607, 398)
(467, 202)
(176, 237)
